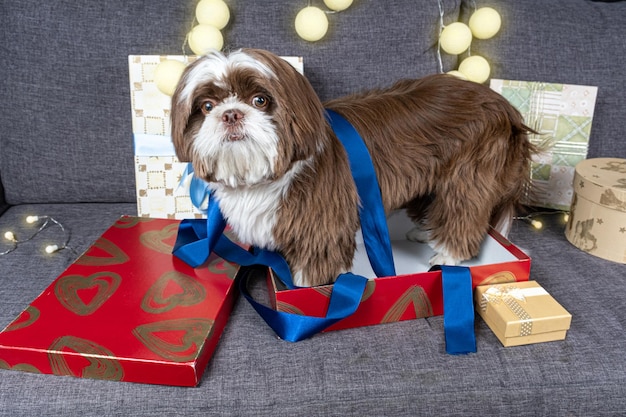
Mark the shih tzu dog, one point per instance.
(453, 153)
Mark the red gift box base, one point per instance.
(125, 310)
(411, 294)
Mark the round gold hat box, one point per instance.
(597, 222)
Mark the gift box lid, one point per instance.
(125, 310)
(520, 309)
(602, 181)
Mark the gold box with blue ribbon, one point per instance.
(521, 313)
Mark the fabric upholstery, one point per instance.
(66, 151)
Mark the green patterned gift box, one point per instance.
(562, 114)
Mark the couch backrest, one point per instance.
(65, 117)
(65, 112)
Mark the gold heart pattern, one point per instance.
(155, 239)
(28, 317)
(126, 222)
(68, 290)
(113, 254)
(499, 278)
(101, 362)
(415, 296)
(178, 340)
(220, 266)
(171, 290)
(24, 367)
(288, 308)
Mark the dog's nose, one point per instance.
(231, 117)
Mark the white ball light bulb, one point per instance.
(51, 248)
(167, 74)
(455, 38)
(457, 74)
(311, 24)
(475, 68)
(485, 23)
(337, 5)
(204, 38)
(213, 12)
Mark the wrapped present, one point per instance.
(158, 172)
(562, 114)
(125, 310)
(415, 292)
(521, 313)
(597, 222)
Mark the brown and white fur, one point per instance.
(453, 153)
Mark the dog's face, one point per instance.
(245, 118)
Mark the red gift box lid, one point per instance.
(126, 310)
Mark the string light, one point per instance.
(538, 224)
(47, 222)
(212, 16)
(456, 38)
(311, 23)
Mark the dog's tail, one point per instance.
(524, 144)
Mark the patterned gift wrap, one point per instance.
(158, 172)
(521, 313)
(125, 310)
(562, 114)
(597, 223)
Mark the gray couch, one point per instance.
(66, 151)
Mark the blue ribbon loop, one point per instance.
(458, 310)
(371, 210)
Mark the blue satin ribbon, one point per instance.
(371, 210)
(198, 238)
(345, 299)
(458, 310)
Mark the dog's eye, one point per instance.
(206, 106)
(260, 101)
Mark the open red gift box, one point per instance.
(414, 292)
(126, 310)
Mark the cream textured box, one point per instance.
(562, 114)
(597, 223)
(158, 172)
(522, 313)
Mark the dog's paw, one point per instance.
(299, 279)
(444, 259)
(417, 234)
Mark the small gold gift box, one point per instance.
(521, 313)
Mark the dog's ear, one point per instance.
(181, 110)
(301, 111)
